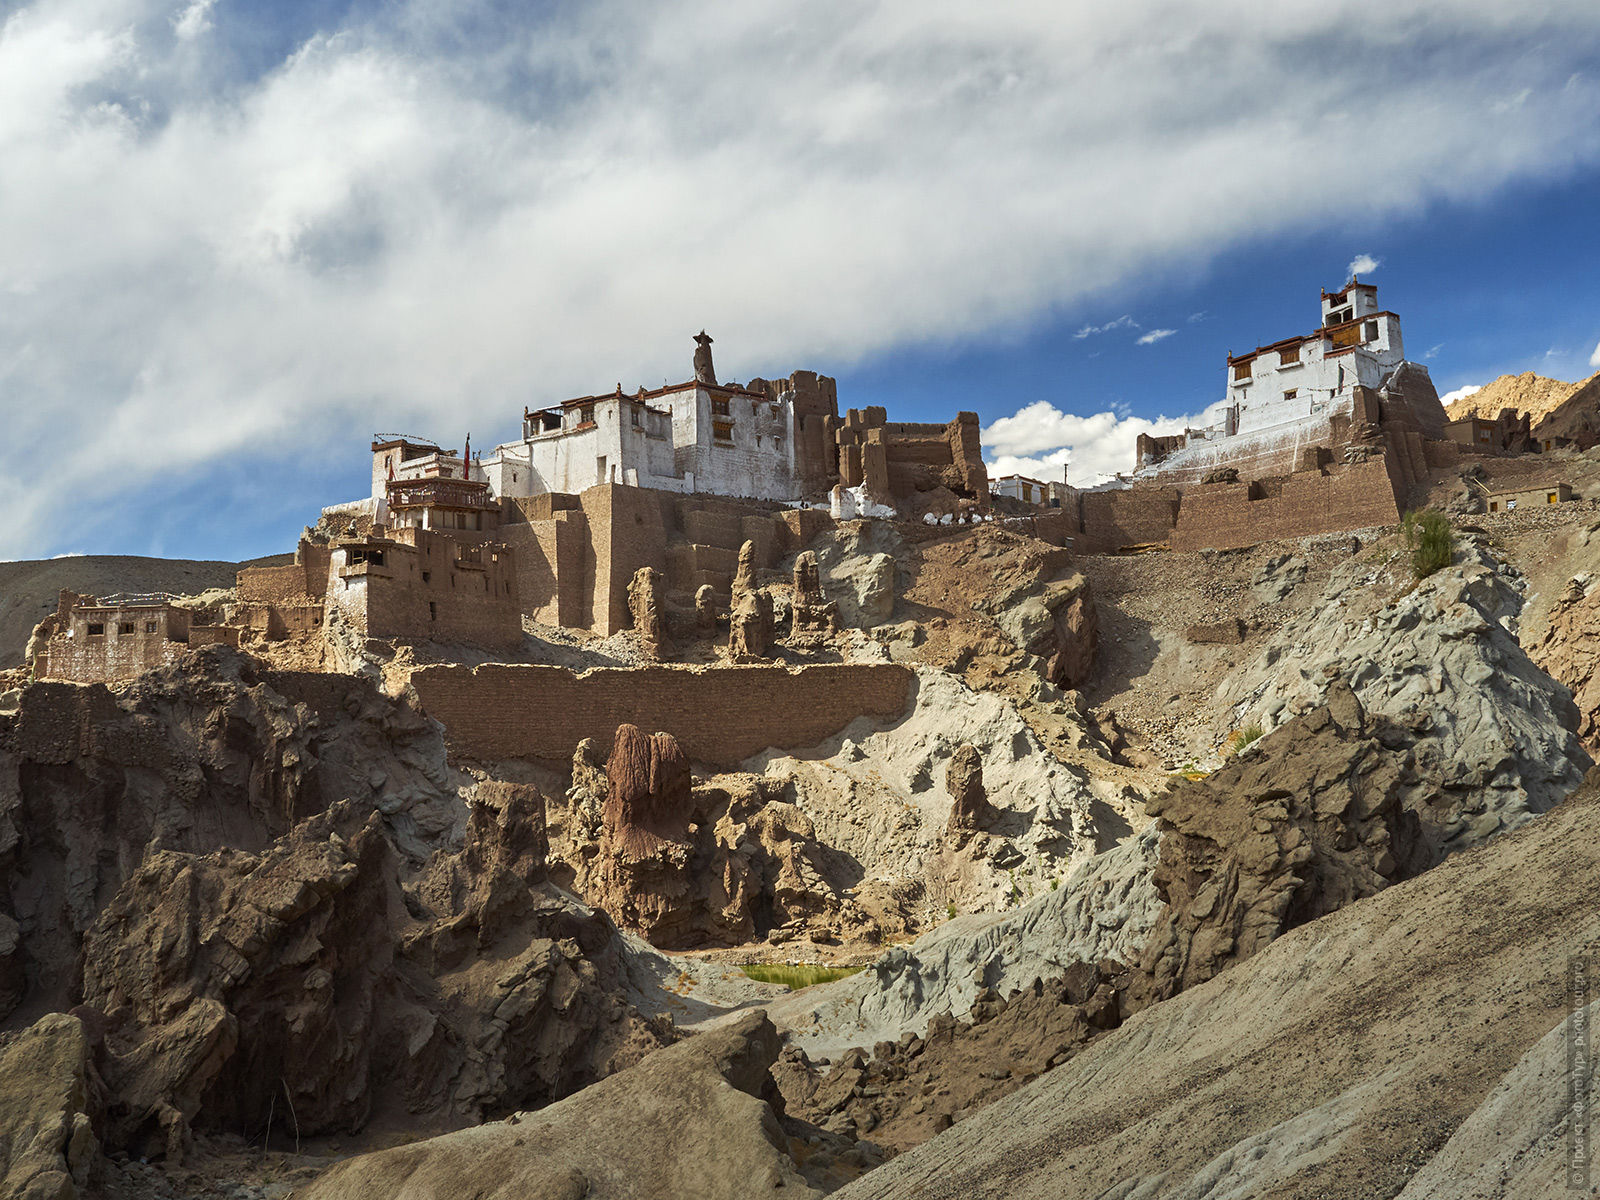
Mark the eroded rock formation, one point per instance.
(647, 604)
(1320, 814)
(319, 971)
(970, 809)
(811, 612)
(214, 752)
(49, 1096)
(751, 617)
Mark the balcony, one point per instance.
(468, 495)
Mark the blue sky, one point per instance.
(238, 239)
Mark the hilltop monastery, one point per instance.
(1319, 432)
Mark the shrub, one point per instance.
(1240, 738)
(1430, 540)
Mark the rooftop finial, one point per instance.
(704, 372)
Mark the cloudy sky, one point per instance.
(237, 239)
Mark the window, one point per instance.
(1550, 498)
(1494, 506)
(149, 626)
(1290, 356)
(1291, 393)
(638, 416)
(513, 477)
(433, 611)
(1369, 331)
(124, 627)
(1241, 370)
(719, 406)
(722, 431)
(777, 444)
(426, 576)
(586, 415)
(96, 629)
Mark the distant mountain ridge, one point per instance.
(1536, 395)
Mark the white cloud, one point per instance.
(1363, 264)
(450, 208)
(1461, 393)
(1039, 439)
(1594, 359)
(1155, 335)
(193, 20)
(1122, 322)
(1433, 351)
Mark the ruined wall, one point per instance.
(720, 716)
(306, 576)
(1224, 516)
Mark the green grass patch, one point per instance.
(795, 977)
(1429, 539)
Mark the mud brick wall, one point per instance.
(1131, 517)
(306, 576)
(1222, 516)
(274, 585)
(720, 715)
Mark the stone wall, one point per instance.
(576, 554)
(1135, 516)
(721, 715)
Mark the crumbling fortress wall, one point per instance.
(576, 555)
(720, 716)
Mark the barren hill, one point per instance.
(28, 589)
(1371, 1043)
(1533, 394)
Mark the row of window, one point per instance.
(98, 628)
(1290, 356)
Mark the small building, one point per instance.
(1021, 487)
(414, 584)
(118, 638)
(1506, 434)
(1512, 499)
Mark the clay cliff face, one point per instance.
(264, 904)
(316, 969)
(188, 759)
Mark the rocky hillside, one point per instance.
(1406, 1045)
(1247, 873)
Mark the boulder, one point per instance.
(48, 1149)
(1059, 623)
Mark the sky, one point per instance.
(238, 239)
